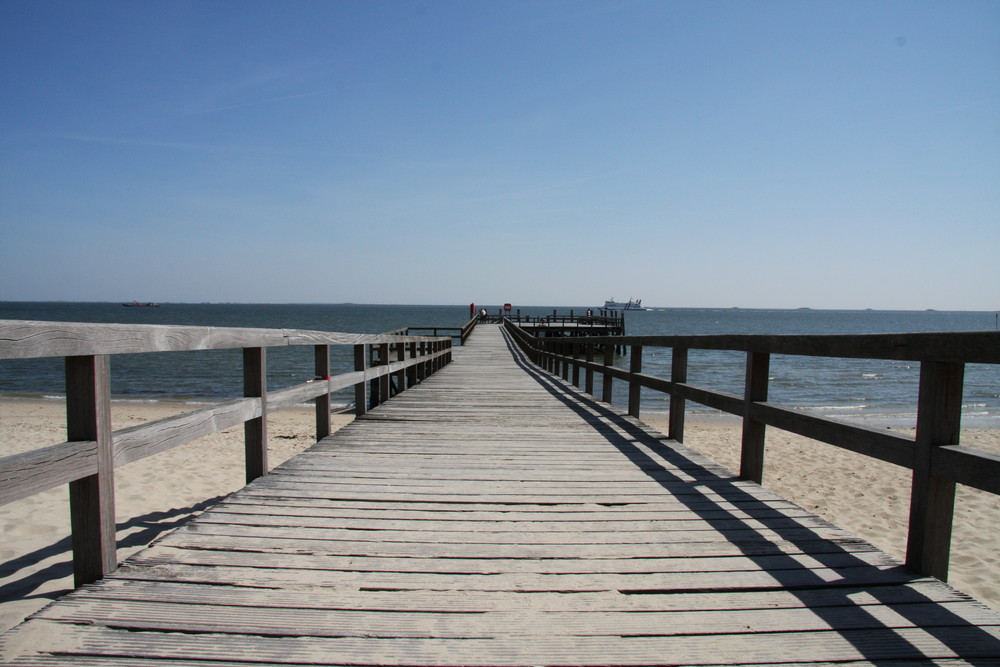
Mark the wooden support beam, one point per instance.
(752, 453)
(255, 430)
(589, 374)
(678, 374)
(932, 497)
(411, 372)
(360, 389)
(401, 374)
(606, 379)
(634, 388)
(374, 387)
(422, 367)
(322, 358)
(575, 351)
(91, 498)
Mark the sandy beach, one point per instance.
(154, 495)
(865, 496)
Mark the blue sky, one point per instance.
(756, 154)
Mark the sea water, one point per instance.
(875, 392)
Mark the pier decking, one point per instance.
(496, 515)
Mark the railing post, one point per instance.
(752, 453)
(606, 380)
(932, 498)
(678, 375)
(322, 355)
(634, 388)
(400, 375)
(383, 381)
(373, 386)
(411, 372)
(575, 352)
(422, 366)
(255, 430)
(91, 499)
(589, 374)
(380, 391)
(360, 399)
(564, 348)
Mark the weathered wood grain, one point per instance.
(22, 339)
(91, 497)
(882, 644)
(935, 493)
(960, 347)
(23, 475)
(137, 442)
(494, 514)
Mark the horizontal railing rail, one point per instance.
(384, 364)
(463, 332)
(934, 455)
(604, 318)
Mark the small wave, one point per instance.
(25, 396)
(824, 408)
(872, 376)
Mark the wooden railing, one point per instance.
(463, 332)
(937, 460)
(86, 461)
(609, 318)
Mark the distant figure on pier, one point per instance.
(482, 315)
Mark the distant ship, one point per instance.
(137, 304)
(618, 305)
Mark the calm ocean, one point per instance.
(876, 392)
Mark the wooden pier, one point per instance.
(494, 514)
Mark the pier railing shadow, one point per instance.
(23, 577)
(831, 601)
(937, 461)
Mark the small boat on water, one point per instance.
(636, 304)
(137, 304)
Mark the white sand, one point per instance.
(151, 495)
(868, 497)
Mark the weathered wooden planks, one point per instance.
(491, 516)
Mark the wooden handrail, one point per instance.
(937, 460)
(87, 460)
(463, 334)
(23, 339)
